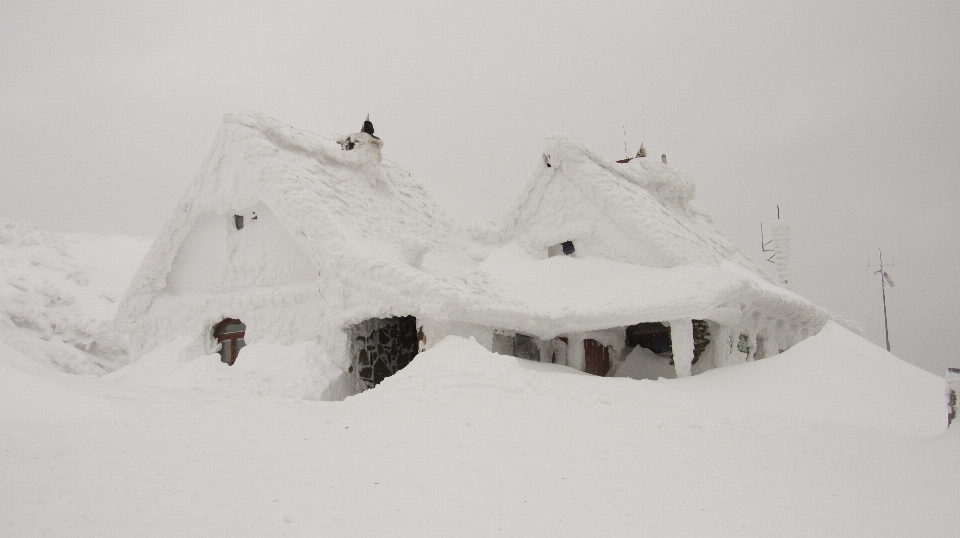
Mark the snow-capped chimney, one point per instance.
(781, 252)
(367, 126)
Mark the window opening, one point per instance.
(229, 333)
(566, 248)
(516, 345)
(238, 221)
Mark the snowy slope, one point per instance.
(59, 292)
(830, 439)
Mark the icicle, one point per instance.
(681, 334)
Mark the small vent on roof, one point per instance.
(238, 221)
(566, 248)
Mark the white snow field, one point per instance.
(834, 437)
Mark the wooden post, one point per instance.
(681, 336)
(953, 391)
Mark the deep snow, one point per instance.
(467, 443)
(834, 437)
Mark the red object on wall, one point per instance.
(229, 333)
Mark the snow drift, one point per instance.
(59, 293)
(833, 377)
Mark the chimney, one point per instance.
(664, 159)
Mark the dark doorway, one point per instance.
(653, 336)
(656, 337)
(597, 357)
(382, 347)
(229, 333)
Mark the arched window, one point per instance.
(229, 333)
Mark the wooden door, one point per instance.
(597, 357)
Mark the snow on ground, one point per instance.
(59, 292)
(834, 437)
(262, 369)
(467, 443)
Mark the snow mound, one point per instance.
(834, 377)
(641, 363)
(298, 371)
(59, 292)
(457, 367)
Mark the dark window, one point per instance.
(525, 347)
(566, 248)
(229, 333)
(517, 345)
(238, 221)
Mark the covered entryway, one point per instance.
(229, 333)
(382, 347)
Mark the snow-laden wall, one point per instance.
(216, 257)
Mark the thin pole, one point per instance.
(626, 152)
(883, 294)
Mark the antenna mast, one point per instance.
(884, 280)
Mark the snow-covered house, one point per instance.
(602, 266)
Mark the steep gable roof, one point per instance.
(346, 209)
(648, 203)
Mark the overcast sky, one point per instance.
(846, 115)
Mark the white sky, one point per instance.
(845, 114)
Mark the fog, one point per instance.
(845, 115)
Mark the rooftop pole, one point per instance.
(884, 279)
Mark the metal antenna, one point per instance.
(763, 244)
(884, 280)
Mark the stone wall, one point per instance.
(380, 348)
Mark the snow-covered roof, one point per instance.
(637, 212)
(382, 247)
